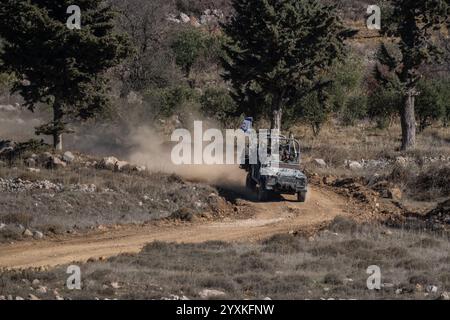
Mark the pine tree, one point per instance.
(276, 52)
(55, 65)
(410, 25)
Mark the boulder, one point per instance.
(108, 163)
(38, 235)
(42, 289)
(121, 166)
(68, 157)
(354, 165)
(184, 18)
(27, 233)
(139, 168)
(172, 18)
(211, 293)
(320, 162)
(445, 296)
(56, 163)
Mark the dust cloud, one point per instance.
(153, 151)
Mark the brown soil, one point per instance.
(285, 215)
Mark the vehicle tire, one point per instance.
(301, 196)
(263, 194)
(250, 183)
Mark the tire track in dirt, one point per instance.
(270, 218)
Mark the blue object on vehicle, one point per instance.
(247, 124)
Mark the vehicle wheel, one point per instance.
(250, 183)
(301, 196)
(263, 194)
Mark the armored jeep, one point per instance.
(278, 175)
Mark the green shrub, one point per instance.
(312, 111)
(355, 109)
(187, 47)
(170, 100)
(428, 104)
(218, 104)
(383, 105)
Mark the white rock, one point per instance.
(139, 168)
(184, 18)
(445, 296)
(27, 233)
(115, 285)
(2, 226)
(109, 163)
(19, 298)
(42, 289)
(354, 165)
(33, 297)
(57, 163)
(38, 235)
(432, 289)
(35, 282)
(121, 165)
(320, 163)
(211, 293)
(68, 157)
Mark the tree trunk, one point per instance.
(57, 141)
(408, 121)
(57, 118)
(277, 113)
(276, 121)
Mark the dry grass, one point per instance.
(335, 144)
(333, 265)
(121, 198)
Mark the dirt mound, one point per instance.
(440, 216)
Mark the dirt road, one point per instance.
(270, 218)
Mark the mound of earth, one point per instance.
(440, 216)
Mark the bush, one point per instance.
(383, 105)
(313, 111)
(443, 90)
(170, 100)
(355, 109)
(428, 104)
(187, 47)
(218, 104)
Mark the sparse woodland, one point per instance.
(371, 109)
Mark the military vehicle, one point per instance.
(278, 174)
